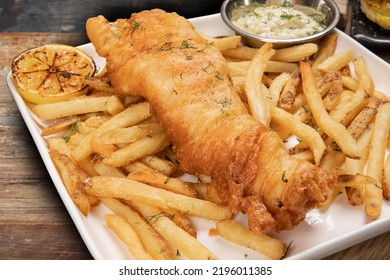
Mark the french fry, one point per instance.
(238, 69)
(129, 100)
(364, 76)
(146, 146)
(276, 87)
(354, 194)
(97, 120)
(222, 43)
(182, 221)
(59, 144)
(87, 165)
(106, 170)
(366, 115)
(72, 179)
(161, 181)
(267, 80)
(241, 68)
(241, 52)
(353, 84)
(136, 166)
(331, 127)
(184, 242)
(59, 125)
(259, 103)
(74, 139)
(239, 82)
(333, 96)
(264, 244)
(295, 53)
(332, 160)
(126, 233)
(302, 131)
(304, 155)
(324, 80)
(154, 244)
(213, 192)
(78, 106)
(336, 61)
(326, 48)
(354, 180)
(287, 96)
(350, 104)
(373, 193)
(165, 167)
(71, 173)
(122, 135)
(98, 84)
(350, 83)
(280, 67)
(128, 117)
(103, 186)
(101, 149)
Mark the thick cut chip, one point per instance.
(52, 73)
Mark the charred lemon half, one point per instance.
(52, 73)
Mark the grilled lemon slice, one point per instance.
(52, 73)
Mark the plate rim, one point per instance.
(369, 230)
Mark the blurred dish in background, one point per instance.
(366, 31)
(377, 11)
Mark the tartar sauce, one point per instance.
(281, 22)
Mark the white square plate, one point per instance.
(321, 234)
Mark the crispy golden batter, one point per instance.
(161, 57)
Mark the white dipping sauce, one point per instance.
(280, 22)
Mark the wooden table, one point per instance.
(34, 223)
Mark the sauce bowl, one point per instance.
(328, 7)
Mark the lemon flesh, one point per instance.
(52, 73)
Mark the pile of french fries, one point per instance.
(109, 149)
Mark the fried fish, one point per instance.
(161, 57)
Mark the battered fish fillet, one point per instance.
(161, 57)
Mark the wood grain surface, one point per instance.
(34, 223)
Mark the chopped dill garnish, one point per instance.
(286, 16)
(219, 76)
(186, 44)
(155, 218)
(73, 129)
(118, 31)
(135, 26)
(224, 103)
(167, 46)
(208, 65)
(305, 110)
(66, 138)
